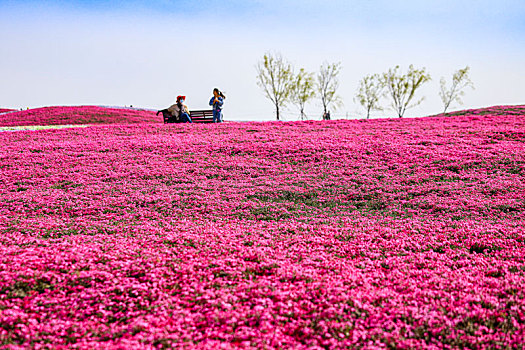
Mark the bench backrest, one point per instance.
(202, 116)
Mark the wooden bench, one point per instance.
(201, 116)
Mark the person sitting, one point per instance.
(179, 111)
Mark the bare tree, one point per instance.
(327, 85)
(369, 92)
(274, 76)
(460, 81)
(401, 88)
(302, 90)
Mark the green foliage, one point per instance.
(369, 92)
(401, 88)
(275, 78)
(460, 81)
(327, 85)
(303, 90)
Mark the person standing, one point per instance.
(180, 111)
(216, 102)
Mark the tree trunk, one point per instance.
(400, 111)
(277, 111)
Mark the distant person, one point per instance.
(217, 101)
(328, 115)
(180, 111)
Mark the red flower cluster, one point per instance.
(360, 234)
(78, 115)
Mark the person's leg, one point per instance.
(219, 117)
(185, 118)
(215, 116)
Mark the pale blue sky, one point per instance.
(146, 52)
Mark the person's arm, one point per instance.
(186, 109)
(220, 101)
(172, 109)
(212, 100)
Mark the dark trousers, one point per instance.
(185, 118)
(217, 116)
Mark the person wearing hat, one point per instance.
(180, 111)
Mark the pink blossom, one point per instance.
(304, 235)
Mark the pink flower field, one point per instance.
(78, 115)
(391, 233)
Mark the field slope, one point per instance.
(76, 115)
(383, 233)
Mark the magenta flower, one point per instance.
(304, 235)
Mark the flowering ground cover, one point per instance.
(405, 233)
(494, 110)
(4, 110)
(78, 115)
(41, 127)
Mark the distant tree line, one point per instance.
(401, 89)
(282, 86)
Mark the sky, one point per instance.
(145, 53)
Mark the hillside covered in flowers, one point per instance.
(76, 115)
(391, 233)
